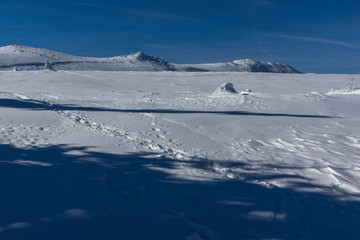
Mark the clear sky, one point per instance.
(312, 36)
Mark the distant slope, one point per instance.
(29, 58)
(243, 65)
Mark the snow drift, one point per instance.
(226, 88)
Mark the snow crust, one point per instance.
(157, 155)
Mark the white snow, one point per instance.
(157, 155)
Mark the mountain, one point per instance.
(28, 58)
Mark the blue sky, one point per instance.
(312, 36)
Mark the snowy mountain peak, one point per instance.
(244, 61)
(140, 56)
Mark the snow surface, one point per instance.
(158, 155)
(28, 58)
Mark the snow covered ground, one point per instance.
(159, 155)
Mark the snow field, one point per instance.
(158, 155)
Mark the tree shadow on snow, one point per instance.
(69, 192)
(40, 105)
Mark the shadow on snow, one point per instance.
(68, 192)
(40, 105)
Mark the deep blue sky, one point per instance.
(312, 36)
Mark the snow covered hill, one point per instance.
(27, 58)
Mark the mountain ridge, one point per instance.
(29, 58)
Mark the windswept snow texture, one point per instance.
(158, 155)
(28, 58)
